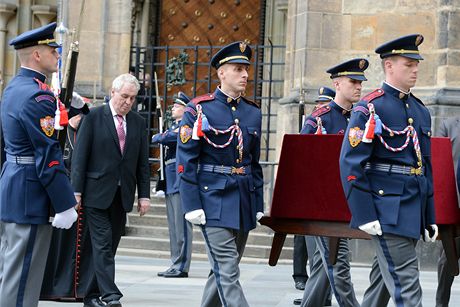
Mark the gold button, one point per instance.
(381, 192)
(410, 120)
(237, 121)
(206, 187)
(407, 105)
(233, 109)
(237, 160)
(229, 99)
(255, 132)
(429, 133)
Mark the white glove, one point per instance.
(432, 238)
(373, 228)
(65, 219)
(259, 215)
(196, 217)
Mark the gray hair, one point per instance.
(119, 81)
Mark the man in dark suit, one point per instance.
(110, 160)
(450, 128)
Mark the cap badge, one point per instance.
(242, 47)
(321, 90)
(362, 63)
(418, 40)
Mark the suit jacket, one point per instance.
(450, 127)
(98, 166)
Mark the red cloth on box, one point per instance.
(308, 182)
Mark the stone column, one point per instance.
(6, 12)
(44, 13)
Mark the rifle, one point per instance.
(70, 71)
(302, 114)
(161, 184)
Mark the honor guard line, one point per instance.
(308, 205)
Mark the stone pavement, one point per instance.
(264, 286)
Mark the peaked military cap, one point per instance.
(39, 36)
(353, 69)
(325, 94)
(406, 46)
(181, 98)
(237, 52)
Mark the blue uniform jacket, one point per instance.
(169, 139)
(334, 119)
(225, 198)
(28, 192)
(403, 204)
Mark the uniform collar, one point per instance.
(219, 93)
(29, 72)
(394, 91)
(338, 108)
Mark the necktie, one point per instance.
(121, 133)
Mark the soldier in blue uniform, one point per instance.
(333, 119)
(180, 230)
(303, 250)
(220, 178)
(386, 173)
(325, 95)
(33, 181)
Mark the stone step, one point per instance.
(261, 237)
(137, 252)
(162, 244)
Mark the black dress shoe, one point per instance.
(94, 302)
(297, 301)
(161, 274)
(114, 304)
(300, 285)
(175, 274)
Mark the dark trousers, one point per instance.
(300, 258)
(445, 279)
(105, 226)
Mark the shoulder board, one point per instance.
(372, 95)
(202, 98)
(42, 86)
(253, 103)
(321, 111)
(361, 109)
(421, 102)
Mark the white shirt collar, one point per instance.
(35, 71)
(234, 98)
(114, 113)
(399, 90)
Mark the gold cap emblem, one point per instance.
(418, 40)
(321, 90)
(242, 47)
(362, 63)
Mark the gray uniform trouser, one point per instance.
(398, 267)
(225, 248)
(180, 234)
(23, 253)
(376, 294)
(323, 273)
